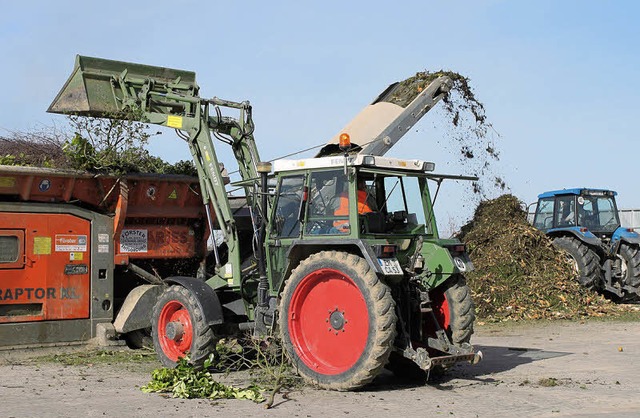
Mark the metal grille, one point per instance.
(9, 247)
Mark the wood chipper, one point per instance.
(348, 291)
(74, 244)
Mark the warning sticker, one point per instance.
(133, 241)
(173, 194)
(174, 122)
(42, 245)
(76, 256)
(69, 243)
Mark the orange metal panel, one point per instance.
(155, 195)
(54, 282)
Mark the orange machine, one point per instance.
(72, 245)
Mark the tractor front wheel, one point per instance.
(179, 328)
(585, 261)
(337, 320)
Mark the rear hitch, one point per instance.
(422, 358)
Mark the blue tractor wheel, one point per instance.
(630, 255)
(586, 262)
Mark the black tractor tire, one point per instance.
(585, 259)
(461, 309)
(337, 320)
(630, 255)
(179, 328)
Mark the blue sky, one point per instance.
(560, 79)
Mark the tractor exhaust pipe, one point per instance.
(264, 168)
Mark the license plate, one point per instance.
(390, 266)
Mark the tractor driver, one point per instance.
(365, 205)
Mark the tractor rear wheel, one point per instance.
(586, 262)
(179, 328)
(337, 320)
(454, 309)
(630, 255)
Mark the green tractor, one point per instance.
(339, 255)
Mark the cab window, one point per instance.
(286, 222)
(544, 214)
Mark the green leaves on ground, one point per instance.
(185, 381)
(270, 370)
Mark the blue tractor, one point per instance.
(585, 223)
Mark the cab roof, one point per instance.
(358, 160)
(577, 191)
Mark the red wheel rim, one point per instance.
(328, 322)
(441, 310)
(175, 331)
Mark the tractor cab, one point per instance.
(588, 212)
(370, 195)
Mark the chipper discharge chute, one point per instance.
(399, 107)
(348, 291)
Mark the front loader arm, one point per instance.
(169, 97)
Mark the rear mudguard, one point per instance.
(301, 249)
(440, 264)
(625, 235)
(585, 236)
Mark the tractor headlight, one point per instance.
(428, 166)
(368, 160)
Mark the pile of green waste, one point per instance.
(518, 273)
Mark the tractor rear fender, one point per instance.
(205, 296)
(301, 249)
(135, 312)
(627, 236)
(587, 237)
(441, 264)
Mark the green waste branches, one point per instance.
(186, 382)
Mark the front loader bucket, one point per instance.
(94, 87)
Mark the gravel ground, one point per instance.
(541, 369)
